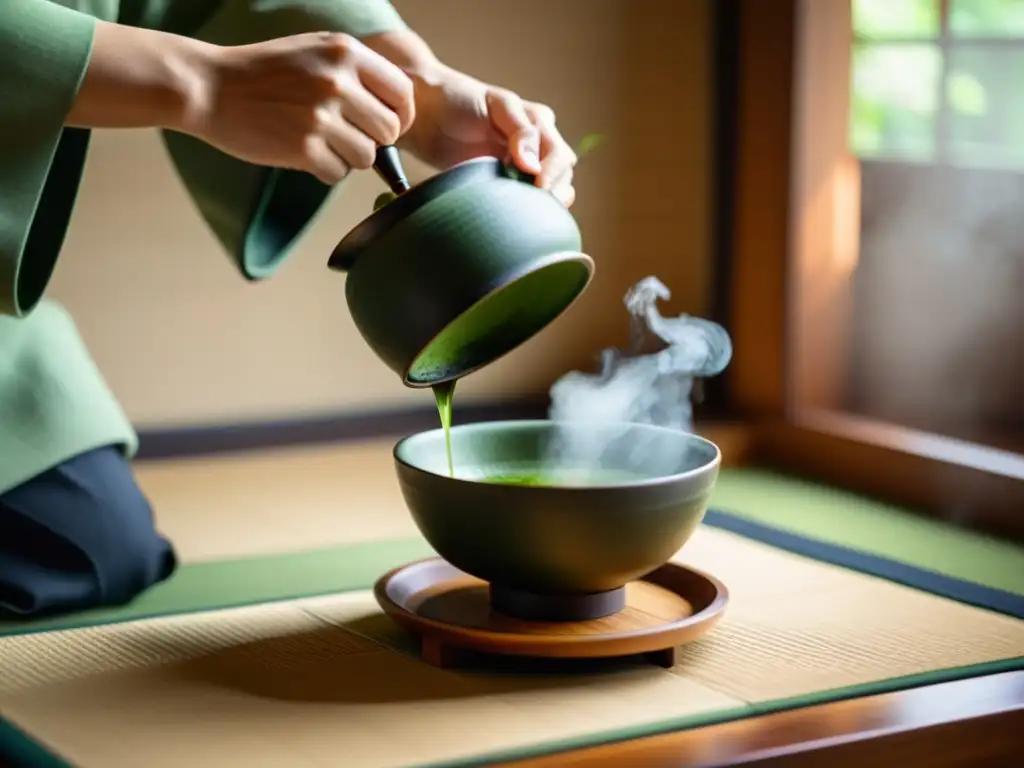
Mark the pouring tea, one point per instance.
(446, 276)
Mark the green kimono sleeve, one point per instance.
(259, 213)
(44, 52)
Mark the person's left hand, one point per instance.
(459, 118)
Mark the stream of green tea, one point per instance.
(443, 394)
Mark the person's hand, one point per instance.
(320, 102)
(459, 118)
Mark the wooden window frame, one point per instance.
(783, 230)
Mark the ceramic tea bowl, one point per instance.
(460, 269)
(557, 517)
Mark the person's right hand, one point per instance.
(320, 102)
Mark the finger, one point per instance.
(563, 179)
(509, 117)
(565, 192)
(558, 176)
(557, 164)
(389, 84)
(359, 107)
(324, 163)
(350, 144)
(557, 157)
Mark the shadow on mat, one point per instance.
(371, 661)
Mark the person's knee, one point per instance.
(131, 556)
(82, 535)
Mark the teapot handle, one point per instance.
(388, 165)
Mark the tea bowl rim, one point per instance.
(710, 466)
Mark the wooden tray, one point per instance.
(450, 611)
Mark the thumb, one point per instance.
(508, 116)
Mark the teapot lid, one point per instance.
(413, 198)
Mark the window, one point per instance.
(939, 81)
(935, 329)
(876, 248)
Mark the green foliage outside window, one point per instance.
(907, 82)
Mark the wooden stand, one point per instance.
(451, 612)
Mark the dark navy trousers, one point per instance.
(78, 536)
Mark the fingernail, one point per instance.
(530, 156)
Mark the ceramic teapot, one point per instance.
(447, 276)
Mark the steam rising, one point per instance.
(638, 386)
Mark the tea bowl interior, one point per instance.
(550, 508)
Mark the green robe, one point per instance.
(54, 403)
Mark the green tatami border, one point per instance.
(860, 523)
(731, 714)
(235, 583)
(19, 746)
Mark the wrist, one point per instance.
(192, 71)
(410, 53)
(141, 78)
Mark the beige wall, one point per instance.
(183, 339)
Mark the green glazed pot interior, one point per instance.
(502, 320)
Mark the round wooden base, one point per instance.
(451, 611)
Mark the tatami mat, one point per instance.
(272, 502)
(331, 681)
